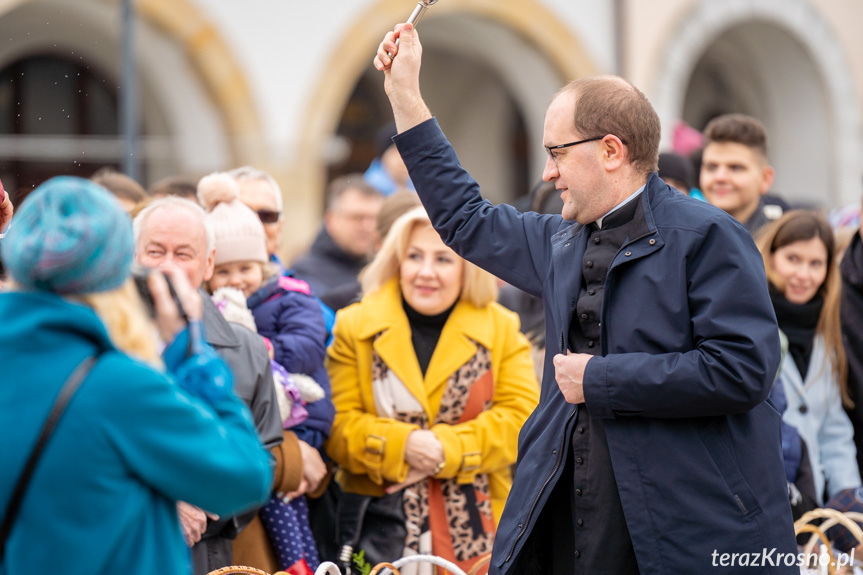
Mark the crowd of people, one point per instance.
(676, 369)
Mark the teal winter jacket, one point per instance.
(130, 444)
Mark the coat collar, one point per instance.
(382, 313)
(568, 247)
(383, 310)
(325, 246)
(217, 331)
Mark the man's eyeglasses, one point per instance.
(269, 216)
(552, 149)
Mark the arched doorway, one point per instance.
(53, 110)
(61, 59)
(520, 43)
(780, 63)
(758, 69)
(488, 90)
(196, 113)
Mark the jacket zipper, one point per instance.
(544, 485)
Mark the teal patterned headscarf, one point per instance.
(69, 237)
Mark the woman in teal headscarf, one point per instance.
(132, 440)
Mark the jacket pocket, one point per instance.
(716, 440)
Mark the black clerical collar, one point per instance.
(621, 213)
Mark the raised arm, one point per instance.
(402, 76)
(510, 245)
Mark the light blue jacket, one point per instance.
(824, 427)
(129, 445)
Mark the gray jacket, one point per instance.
(246, 355)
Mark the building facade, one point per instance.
(288, 86)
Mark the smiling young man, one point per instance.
(653, 445)
(735, 174)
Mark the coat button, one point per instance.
(588, 264)
(580, 522)
(578, 492)
(584, 316)
(652, 242)
(566, 245)
(591, 292)
(627, 254)
(596, 240)
(577, 553)
(590, 343)
(554, 451)
(579, 460)
(803, 409)
(580, 429)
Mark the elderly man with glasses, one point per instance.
(654, 448)
(260, 191)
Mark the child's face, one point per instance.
(247, 277)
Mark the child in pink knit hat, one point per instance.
(290, 319)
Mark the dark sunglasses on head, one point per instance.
(269, 216)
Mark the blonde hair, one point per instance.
(125, 319)
(478, 286)
(800, 225)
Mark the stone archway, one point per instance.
(800, 87)
(535, 35)
(195, 96)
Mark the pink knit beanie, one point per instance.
(238, 230)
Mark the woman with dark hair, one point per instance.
(799, 258)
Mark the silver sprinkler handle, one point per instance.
(417, 15)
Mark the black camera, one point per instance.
(140, 275)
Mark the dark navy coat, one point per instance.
(690, 348)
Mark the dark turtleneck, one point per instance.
(425, 332)
(798, 322)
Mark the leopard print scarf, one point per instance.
(444, 518)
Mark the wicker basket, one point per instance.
(242, 570)
(830, 518)
(237, 570)
(328, 568)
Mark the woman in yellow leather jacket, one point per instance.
(432, 381)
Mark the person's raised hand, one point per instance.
(402, 75)
(400, 63)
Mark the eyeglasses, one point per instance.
(551, 149)
(269, 216)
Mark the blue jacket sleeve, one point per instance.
(203, 451)
(836, 442)
(295, 326)
(510, 245)
(736, 353)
